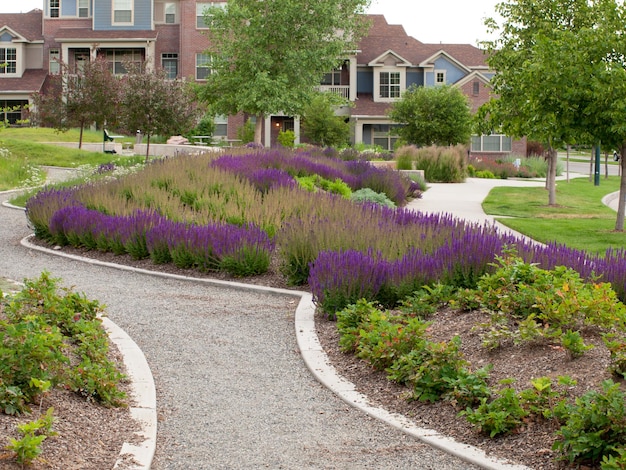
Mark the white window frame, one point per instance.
(221, 126)
(170, 13)
(116, 7)
(203, 61)
(503, 143)
(117, 57)
(401, 86)
(54, 8)
(200, 7)
(54, 61)
(169, 57)
(8, 61)
(443, 79)
(332, 78)
(83, 6)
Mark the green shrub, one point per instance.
(595, 426)
(369, 195)
(499, 416)
(286, 138)
(404, 160)
(246, 132)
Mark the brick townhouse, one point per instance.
(169, 34)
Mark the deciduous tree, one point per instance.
(155, 104)
(268, 56)
(537, 86)
(320, 124)
(433, 115)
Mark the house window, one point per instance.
(203, 66)
(476, 88)
(122, 11)
(54, 65)
(170, 13)
(13, 111)
(221, 126)
(169, 62)
(117, 58)
(83, 8)
(333, 78)
(8, 60)
(201, 22)
(390, 84)
(491, 143)
(53, 9)
(440, 77)
(385, 135)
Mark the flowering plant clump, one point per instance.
(200, 212)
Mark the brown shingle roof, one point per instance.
(30, 82)
(365, 106)
(28, 24)
(383, 37)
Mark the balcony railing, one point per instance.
(341, 90)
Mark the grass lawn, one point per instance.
(580, 220)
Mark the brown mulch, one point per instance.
(87, 426)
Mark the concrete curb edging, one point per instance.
(144, 395)
(316, 361)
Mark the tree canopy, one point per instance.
(156, 105)
(80, 98)
(267, 57)
(433, 115)
(320, 124)
(560, 76)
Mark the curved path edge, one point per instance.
(312, 353)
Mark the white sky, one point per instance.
(446, 21)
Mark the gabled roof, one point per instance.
(27, 26)
(430, 61)
(380, 60)
(30, 82)
(383, 37)
(476, 75)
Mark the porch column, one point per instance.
(353, 79)
(358, 131)
(296, 129)
(267, 140)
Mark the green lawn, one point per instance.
(27, 152)
(580, 220)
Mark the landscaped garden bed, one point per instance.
(289, 215)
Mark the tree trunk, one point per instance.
(569, 147)
(258, 129)
(551, 178)
(621, 208)
(80, 138)
(147, 147)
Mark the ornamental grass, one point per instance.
(236, 211)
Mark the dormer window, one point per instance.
(389, 85)
(8, 60)
(440, 77)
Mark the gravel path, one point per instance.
(232, 391)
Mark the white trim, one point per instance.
(380, 60)
(429, 62)
(444, 75)
(402, 85)
(113, 10)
